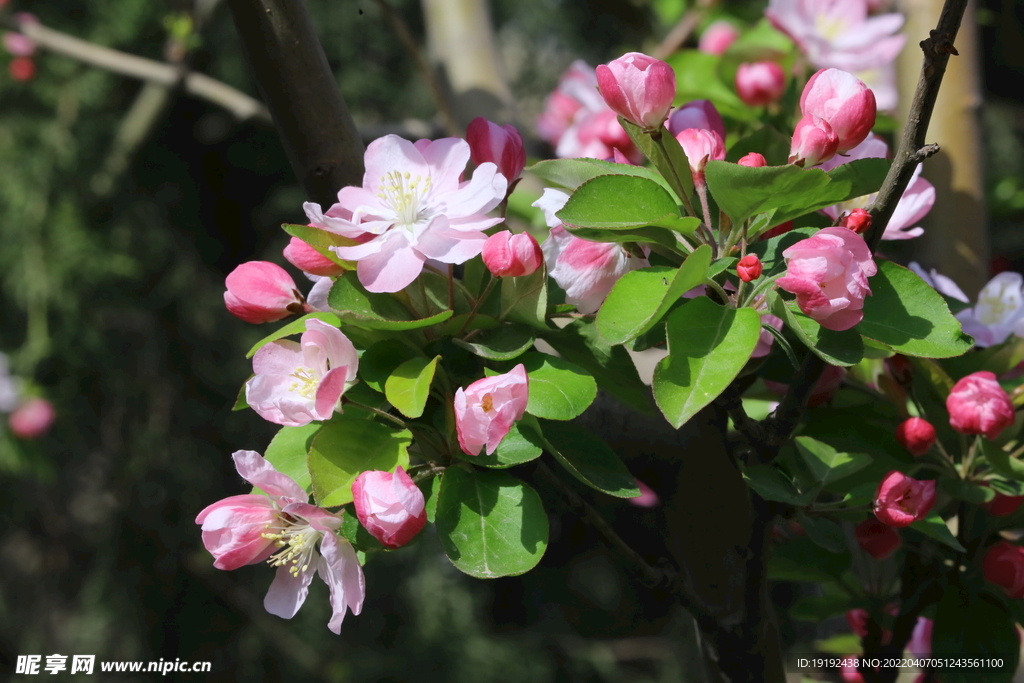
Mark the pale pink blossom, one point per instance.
(829, 274)
(639, 88)
(977, 404)
(813, 142)
(998, 313)
(309, 260)
(18, 44)
(766, 338)
(701, 146)
(508, 255)
(901, 500)
(413, 206)
(247, 529)
(596, 135)
(390, 506)
(577, 89)
(697, 114)
(486, 410)
(297, 383)
(586, 270)
(760, 83)
(920, 644)
(32, 418)
(939, 282)
(717, 37)
(262, 292)
(500, 145)
(842, 100)
(753, 160)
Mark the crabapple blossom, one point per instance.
(760, 83)
(844, 102)
(297, 383)
(877, 539)
(978, 405)
(501, 145)
(1004, 566)
(829, 274)
(753, 160)
(813, 142)
(701, 146)
(309, 260)
(916, 435)
(262, 292)
(999, 311)
(717, 37)
(390, 506)
(1002, 505)
(508, 255)
(638, 88)
(939, 282)
(920, 644)
(749, 268)
(487, 408)
(32, 418)
(247, 529)
(901, 500)
(696, 114)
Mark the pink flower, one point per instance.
(508, 255)
(297, 383)
(1004, 566)
(647, 498)
(17, 44)
(749, 268)
(32, 419)
(717, 37)
(487, 408)
(596, 135)
(901, 500)
(638, 88)
(920, 644)
(309, 260)
(414, 206)
(766, 338)
(247, 529)
(586, 270)
(576, 91)
(877, 539)
(500, 145)
(829, 274)
(843, 101)
(858, 220)
(753, 160)
(390, 506)
(262, 292)
(978, 405)
(760, 83)
(813, 142)
(999, 311)
(697, 114)
(940, 283)
(701, 146)
(916, 435)
(848, 671)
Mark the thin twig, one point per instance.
(681, 31)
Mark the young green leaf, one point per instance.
(289, 449)
(571, 173)
(523, 443)
(935, 527)
(346, 447)
(558, 389)
(297, 326)
(353, 304)
(618, 202)
(504, 343)
(408, 387)
(525, 299)
(589, 459)
(827, 465)
(835, 348)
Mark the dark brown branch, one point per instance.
(300, 90)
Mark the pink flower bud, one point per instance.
(647, 498)
(858, 619)
(920, 644)
(1002, 505)
(19, 45)
(858, 220)
(32, 419)
(845, 102)
(501, 145)
(829, 274)
(487, 408)
(978, 405)
(701, 146)
(309, 260)
(508, 255)
(697, 114)
(638, 88)
(813, 142)
(717, 37)
(22, 69)
(1004, 566)
(753, 160)
(390, 506)
(901, 500)
(916, 435)
(262, 292)
(877, 539)
(749, 268)
(760, 83)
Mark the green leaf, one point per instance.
(346, 447)
(666, 154)
(697, 79)
(770, 251)
(589, 459)
(523, 443)
(559, 390)
(967, 491)
(354, 532)
(771, 483)
(618, 202)
(504, 343)
(408, 387)
(288, 451)
(1007, 487)
(641, 297)
(353, 304)
(824, 532)
(766, 141)
(380, 360)
(800, 559)
(297, 326)
(322, 241)
(1000, 460)
(998, 359)
(525, 299)
(490, 524)
(969, 625)
(430, 488)
(571, 173)
(708, 346)
(906, 314)
(934, 527)
(649, 235)
(826, 464)
(240, 402)
(835, 348)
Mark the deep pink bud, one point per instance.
(638, 88)
(813, 142)
(701, 146)
(32, 419)
(501, 145)
(901, 500)
(717, 37)
(845, 102)
(487, 408)
(1002, 505)
(390, 506)
(309, 260)
(753, 160)
(508, 255)
(647, 498)
(858, 220)
(1004, 566)
(760, 83)
(978, 405)
(22, 69)
(749, 268)
(916, 435)
(696, 114)
(877, 539)
(262, 292)
(858, 620)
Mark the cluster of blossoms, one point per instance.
(29, 417)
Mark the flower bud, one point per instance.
(701, 146)
(32, 419)
(1002, 505)
(901, 500)
(261, 292)
(22, 69)
(877, 539)
(390, 506)
(1004, 566)
(845, 102)
(749, 268)
(638, 88)
(978, 405)
(858, 620)
(508, 255)
(19, 45)
(900, 369)
(858, 220)
(501, 145)
(309, 260)
(647, 498)
(697, 114)
(760, 83)
(916, 435)
(487, 408)
(753, 160)
(813, 142)
(717, 37)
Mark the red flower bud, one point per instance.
(32, 419)
(877, 539)
(508, 255)
(901, 500)
(1004, 566)
(858, 220)
(1002, 505)
(309, 260)
(22, 69)
(749, 268)
(916, 435)
(753, 160)
(978, 405)
(760, 83)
